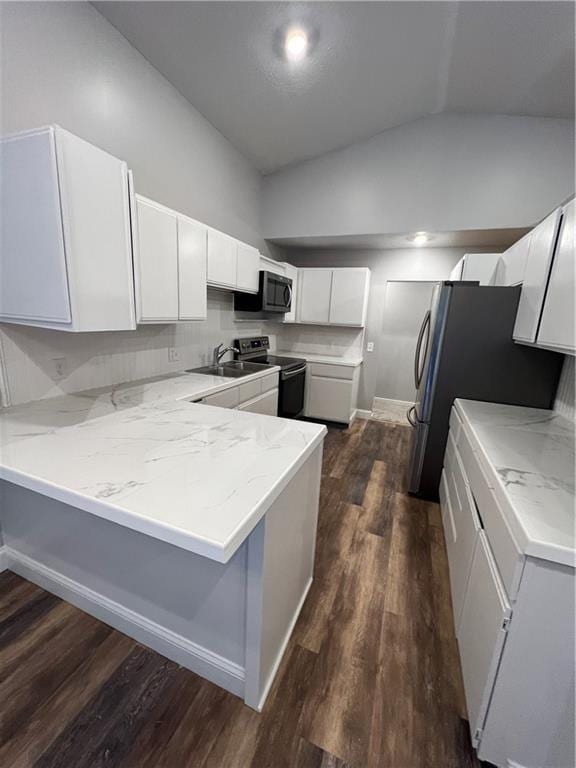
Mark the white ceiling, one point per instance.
(374, 65)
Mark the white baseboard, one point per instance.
(287, 637)
(387, 409)
(200, 660)
(4, 564)
(362, 414)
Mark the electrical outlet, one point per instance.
(370, 346)
(173, 355)
(60, 367)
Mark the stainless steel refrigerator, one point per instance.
(465, 349)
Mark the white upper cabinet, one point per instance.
(481, 267)
(269, 265)
(170, 265)
(192, 269)
(157, 262)
(292, 273)
(512, 263)
(247, 268)
(456, 273)
(333, 296)
(536, 273)
(557, 324)
(222, 259)
(349, 297)
(66, 249)
(314, 296)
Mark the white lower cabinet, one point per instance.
(266, 404)
(514, 621)
(482, 633)
(256, 396)
(331, 392)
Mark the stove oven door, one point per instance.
(291, 395)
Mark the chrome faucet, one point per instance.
(219, 353)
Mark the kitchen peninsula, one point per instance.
(189, 527)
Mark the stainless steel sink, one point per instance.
(244, 365)
(220, 370)
(232, 369)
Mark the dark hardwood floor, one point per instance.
(371, 677)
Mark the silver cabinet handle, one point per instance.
(291, 374)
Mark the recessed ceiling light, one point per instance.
(296, 44)
(420, 238)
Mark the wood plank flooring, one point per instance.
(371, 677)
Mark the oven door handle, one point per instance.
(291, 374)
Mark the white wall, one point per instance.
(566, 395)
(400, 264)
(441, 173)
(64, 63)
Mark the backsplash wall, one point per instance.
(330, 340)
(101, 359)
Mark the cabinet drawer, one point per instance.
(331, 371)
(229, 398)
(506, 552)
(269, 382)
(249, 390)
(266, 404)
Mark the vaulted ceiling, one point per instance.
(373, 65)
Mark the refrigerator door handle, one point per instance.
(418, 367)
(409, 416)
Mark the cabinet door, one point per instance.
(349, 297)
(512, 263)
(266, 404)
(96, 217)
(228, 398)
(329, 399)
(34, 284)
(557, 325)
(481, 267)
(536, 277)
(222, 259)
(482, 632)
(192, 250)
(247, 268)
(157, 266)
(292, 273)
(461, 526)
(314, 299)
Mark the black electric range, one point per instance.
(292, 380)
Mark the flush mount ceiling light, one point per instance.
(296, 44)
(420, 238)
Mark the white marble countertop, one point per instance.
(530, 455)
(144, 456)
(348, 360)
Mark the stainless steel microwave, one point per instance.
(274, 295)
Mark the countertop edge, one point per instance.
(213, 550)
(530, 547)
